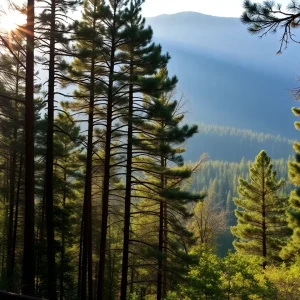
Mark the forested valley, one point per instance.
(109, 191)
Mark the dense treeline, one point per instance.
(96, 201)
(105, 218)
(236, 144)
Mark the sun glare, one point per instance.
(12, 20)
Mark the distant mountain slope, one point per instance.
(230, 77)
(232, 144)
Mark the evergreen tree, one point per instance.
(112, 18)
(68, 185)
(160, 189)
(261, 228)
(53, 44)
(269, 17)
(12, 112)
(142, 59)
(85, 71)
(293, 247)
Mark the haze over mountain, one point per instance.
(229, 77)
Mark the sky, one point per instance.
(221, 8)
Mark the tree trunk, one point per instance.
(28, 258)
(12, 179)
(264, 228)
(10, 266)
(105, 199)
(165, 246)
(160, 245)
(62, 253)
(126, 230)
(16, 213)
(49, 163)
(161, 240)
(80, 259)
(87, 215)
(106, 180)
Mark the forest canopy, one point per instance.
(108, 191)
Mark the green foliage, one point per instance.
(220, 178)
(204, 280)
(209, 222)
(233, 277)
(286, 280)
(292, 249)
(261, 228)
(269, 17)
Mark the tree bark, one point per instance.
(87, 215)
(106, 180)
(10, 266)
(17, 213)
(49, 162)
(12, 179)
(80, 259)
(124, 281)
(62, 253)
(28, 258)
(165, 246)
(161, 240)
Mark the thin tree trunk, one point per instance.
(264, 228)
(105, 198)
(161, 239)
(28, 258)
(14, 233)
(6, 216)
(87, 216)
(49, 162)
(40, 238)
(165, 245)
(12, 179)
(62, 253)
(106, 180)
(17, 213)
(160, 245)
(10, 266)
(110, 266)
(80, 259)
(126, 230)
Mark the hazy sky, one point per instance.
(224, 8)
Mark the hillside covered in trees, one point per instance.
(109, 189)
(235, 144)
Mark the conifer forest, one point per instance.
(109, 189)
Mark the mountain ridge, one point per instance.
(224, 87)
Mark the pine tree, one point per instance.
(112, 27)
(53, 44)
(293, 247)
(142, 59)
(68, 184)
(86, 70)
(261, 228)
(162, 207)
(269, 17)
(12, 112)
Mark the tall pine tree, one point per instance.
(141, 60)
(293, 247)
(261, 228)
